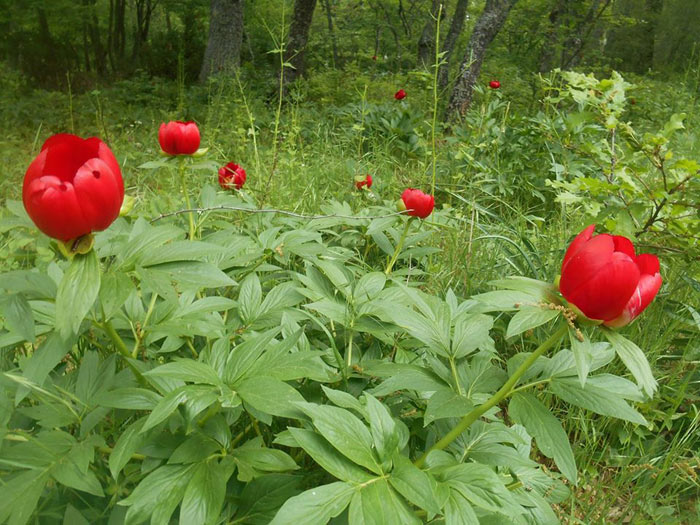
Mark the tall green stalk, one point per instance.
(435, 100)
(183, 183)
(399, 245)
(502, 393)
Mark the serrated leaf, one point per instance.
(77, 292)
(547, 431)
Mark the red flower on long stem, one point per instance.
(603, 277)
(73, 187)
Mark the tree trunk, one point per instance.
(144, 10)
(331, 31)
(120, 28)
(448, 47)
(426, 42)
(551, 37)
(225, 38)
(577, 41)
(487, 27)
(298, 37)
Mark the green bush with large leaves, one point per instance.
(270, 371)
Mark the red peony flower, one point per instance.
(179, 138)
(605, 280)
(400, 94)
(374, 57)
(231, 175)
(73, 187)
(494, 84)
(418, 203)
(361, 182)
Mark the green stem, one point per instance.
(502, 393)
(348, 352)
(123, 350)
(398, 247)
(453, 367)
(116, 339)
(183, 183)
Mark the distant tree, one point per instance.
(225, 37)
(298, 37)
(487, 27)
(426, 42)
(456, 26)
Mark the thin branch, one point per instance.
(278, 212)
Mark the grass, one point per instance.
(508, 225)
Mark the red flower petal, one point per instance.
(577, 243)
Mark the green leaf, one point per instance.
(250, 298)
(378, 504)
(328, 457)
(471, 333)
(165, 407)
(634, 359)
(251, 461)
(194, 274)
(129, 398)
(458, 511)
(446, 403)
(344, 400)
(20, 495)
(187, 370)
(547, 431)
(128, 443)
(271, 396)
(345, 432)
(114, 291)
(482, 487)
(158, 494)
(404, 377)
(529, 317)
(45, 358)
(594, 398)
(369, 286)
(77, 292)
(19, 317)
(385, 434)
(417, 486)
(204, 495)
(316, 506)
(583, 355)
(261, 498)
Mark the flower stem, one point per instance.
(123, 350)
(183, 183)
(502, 393)
(398, 247)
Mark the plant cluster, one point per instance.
(253, 366)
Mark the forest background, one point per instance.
(596, 98)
